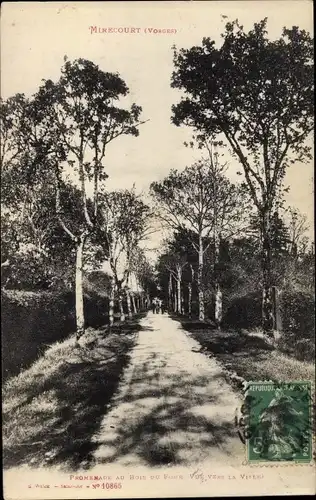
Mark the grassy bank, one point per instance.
(52, 409)
(248, 355)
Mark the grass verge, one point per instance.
(52, 409)
(249, 356)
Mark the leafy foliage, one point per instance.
(257, 92)
(52, 149)
(124, 223)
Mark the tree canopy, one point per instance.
(255, 92)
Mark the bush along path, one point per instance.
(52, 409)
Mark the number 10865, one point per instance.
(107, 486)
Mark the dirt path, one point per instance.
(173, 406)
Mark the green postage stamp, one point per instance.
(278, 421)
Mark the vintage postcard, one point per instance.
(157, 264)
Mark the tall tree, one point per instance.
(201, 201)
(22, 185)
(181, 244)
(230, 213)
(257, 94)
(174, 264)
(124, 222)
(145, 275)
(183, 201)
(77, 117)
(36, 247)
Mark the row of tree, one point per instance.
(256, 97)
(231, 275)
(57, 214)
(251, 98)
(205, 206)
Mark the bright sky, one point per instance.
(37, 36)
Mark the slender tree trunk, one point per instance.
(179, 295)
(200, 281)
(134, 304)
(267, 296)
(190, 292)
(179, 302)
(121, 308)
(182, 302)
(128, 303)
(170, 292)
(175, 302)
(218, 306)
(190, 300)
(80, 320)
(218, 294)
(111, 302)
(128, 299)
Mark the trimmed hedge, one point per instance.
(33, 320)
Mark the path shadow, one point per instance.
(65, 406)
(239, 352)
(230, 342)
(167, 419)
(193, 323)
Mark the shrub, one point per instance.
(298, 323)
(31, 321)
(298, 313)
(243, 312)
(96, 309)
(30, 270)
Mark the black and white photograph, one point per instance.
(157, 249)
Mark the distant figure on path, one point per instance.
(154, 305)
(159, 304)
